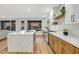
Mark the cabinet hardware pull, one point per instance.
(72, 18)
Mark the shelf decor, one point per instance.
(63, 11)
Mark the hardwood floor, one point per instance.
(41, 47)
(3, 46)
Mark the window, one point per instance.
(8, 25)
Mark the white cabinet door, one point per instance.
(76, 13)
(71, 14)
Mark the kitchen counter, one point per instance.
(22, 33)
(70, 39)
(21, 41)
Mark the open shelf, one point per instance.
(58, 16)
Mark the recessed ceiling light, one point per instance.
(28, 9)
(47, 10)
(44, 15)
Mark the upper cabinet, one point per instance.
(72, 14)
(76, 13)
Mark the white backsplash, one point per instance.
(73, 29)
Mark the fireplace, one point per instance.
(35, 25)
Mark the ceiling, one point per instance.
(25, 10)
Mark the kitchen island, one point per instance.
(21, 41)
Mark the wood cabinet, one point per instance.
(50, 41)
(68, 48)
(60, 46)
(54, 43)
(76, 50)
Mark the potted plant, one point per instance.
(63, 11)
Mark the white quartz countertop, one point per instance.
(70, 39)
(22, 32)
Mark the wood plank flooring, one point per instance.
(3, 46)
(41, 47)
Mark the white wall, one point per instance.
(73, 29)
(44, 24)
(18, 24)
(51, 17)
